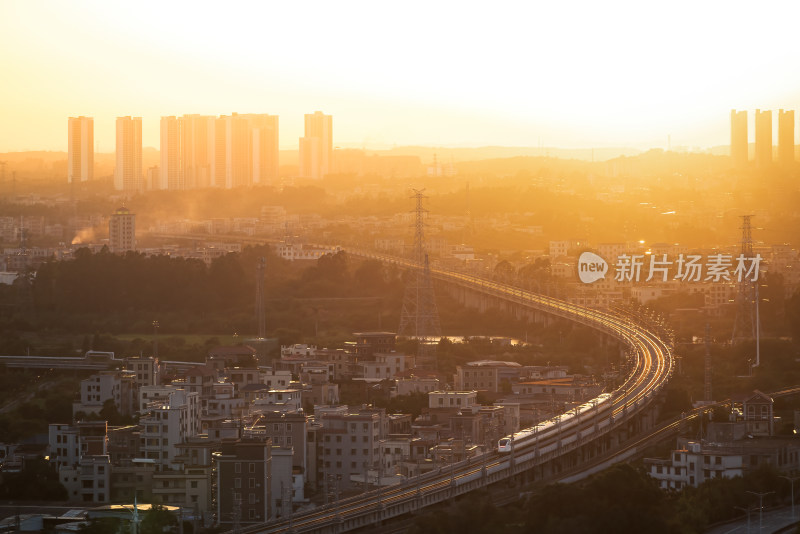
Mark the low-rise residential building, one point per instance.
(103, 386)
(348, 445)
(89, 480)
(167, 425)
(417, 384)
(283, 400)
(145, 370)
(68, 443)
(452, 399)
(486, 375)
(243, 475)
(383, 366)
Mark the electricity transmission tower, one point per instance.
(746, 326)
(708, 367)
(260, 313)
(419, 317)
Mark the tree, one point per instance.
(38, 480)
(156, 520)
(102, 525)
(504, 271)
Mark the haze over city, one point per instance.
(326, 267)
(522, 74)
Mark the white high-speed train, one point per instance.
(567, 421)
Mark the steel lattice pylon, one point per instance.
(708, 366)
(260, 313)
(419, 317)
(745, 326)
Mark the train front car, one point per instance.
(505, 444)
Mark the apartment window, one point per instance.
(237, 483)
(251, 498)
(338, 439)
(251, 467)
(251, 514)
(237, 467)
(718, 460)
(193, 484)
(352, 439)
(365, 451)
(251, 483)
(288, 427)
(339, 464)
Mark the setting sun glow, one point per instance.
(579, 74)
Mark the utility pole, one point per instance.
(791, 480)
(760, 505)
(155, 339)
(747, 511)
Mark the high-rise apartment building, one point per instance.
(170, 173)
(128, 172)
(739, 144)
(198, 150)
(227, 151)
(316, 147)
(786, 137)
(238, 165)
(80, 155)
(763, 138)
(122, 231)
(263, 147)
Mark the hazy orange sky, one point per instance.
(568, 74)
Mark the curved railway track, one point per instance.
(652, 365)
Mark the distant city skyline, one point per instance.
(618, 74)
